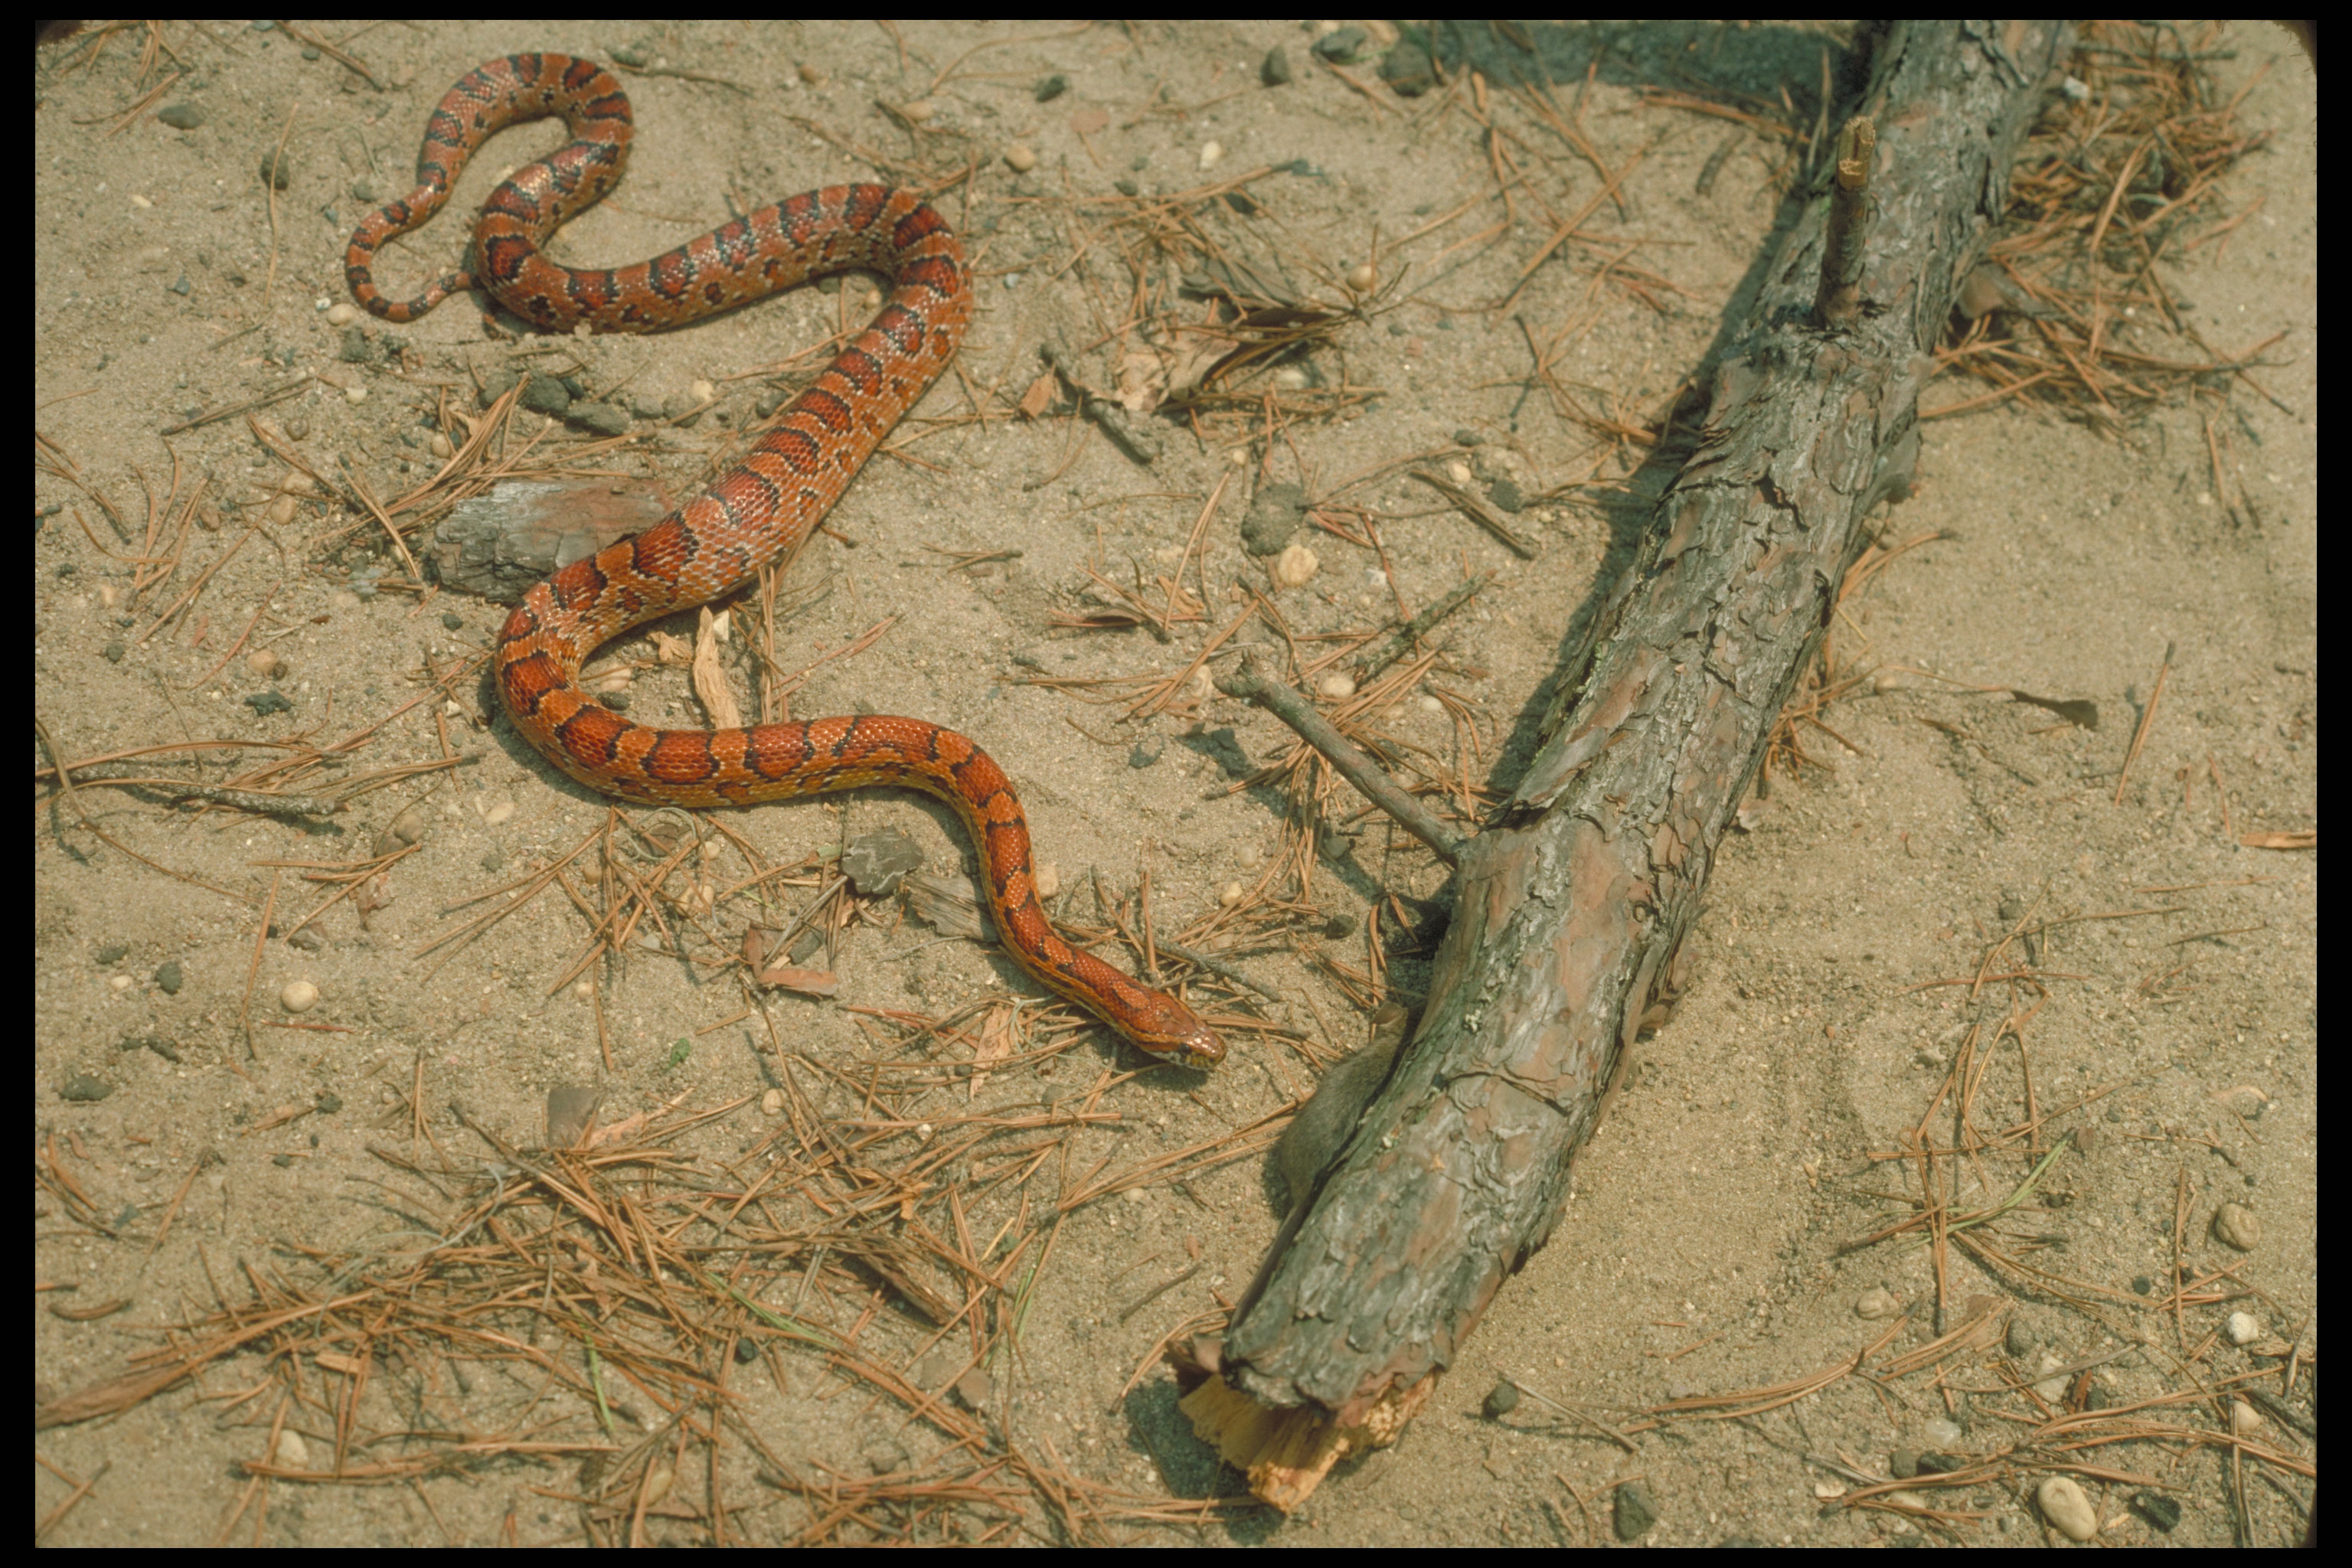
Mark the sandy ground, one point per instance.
(1704, 1248)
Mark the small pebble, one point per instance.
(265, 663)
(2235, 1226)
(1212, 154)
(1876, 1302)
(2065, 1506)
(1337, 687)
(1230, 894)
(2245, 1419)
(2052, 1389)
(410, 826)
(1363, 277)
(291, 1453)
(1633, 1513)
(772, 1102)
(1019, 158)
(1940, 1432)
(2243, 1327)
(1294, 566)
(1502, 1399)
(299, 997)
(1902, 1463)
(922, 109)
(1047, 877)
(812, 75)
(1432, 705)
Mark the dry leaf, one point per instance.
(807, 981)
(710, 678)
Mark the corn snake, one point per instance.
(751, 513)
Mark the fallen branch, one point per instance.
(1573, 904)
(1254, 685)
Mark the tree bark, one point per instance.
(1571, 908)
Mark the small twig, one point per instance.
(1215, 966)
(1478, 512)
(1251, 685)
(1600, 1426)
(2147, 718)
(1848, 236)
(1156, 1292)
(123, 776)
(263, 400)
(1397, 647)
(1139, 445)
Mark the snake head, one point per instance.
(1201, 1048)
(1168, 1029)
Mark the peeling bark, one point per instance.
(1572, 907)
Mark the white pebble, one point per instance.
(342, 314)
(1363, 277)
(772, 1102)
(1941, 1432)
(497, 812)
(1293, 567)
(1337, 687)
(2245, 1419)
(1230, 894)
(291, 1453)
(1458, 471)
(585, 990)
(704, 391)
(2244, 1328)
(1874, 1302)
(299, 997)
(922, 109)
(1019, 158)
(120, 983)
(355, 393)
(439, 444)
(2065, 1506)
(1432, 705)
(1212, 154)
(1047, 877)
(265, 663)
